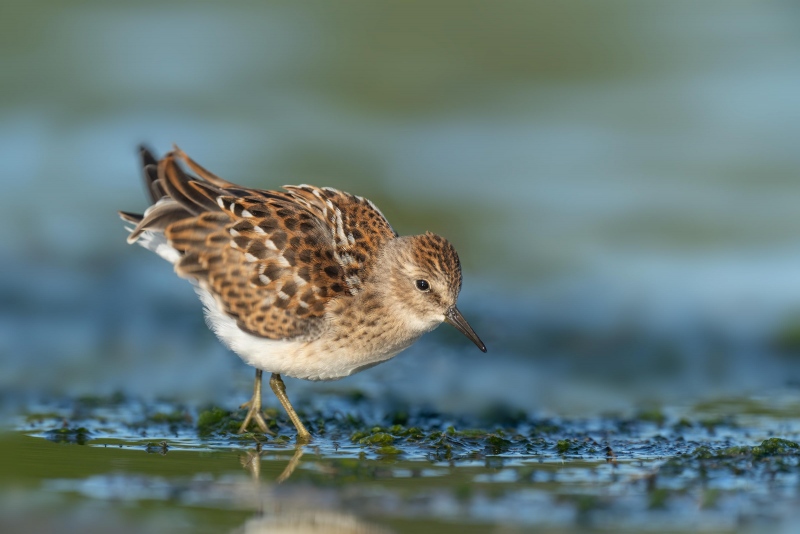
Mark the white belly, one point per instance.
(312, 360)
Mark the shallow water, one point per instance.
(718, 467)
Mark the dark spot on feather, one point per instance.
(332, 271)
(329, 254)
(310, 240)
(306, 227)
(243, 226)
(273, 271)
(304, 273)
(241, 241)
(288, 255)
(307, 296)
(268, 224)
(281, 303)
(357, 234)
(300, 310)
(257, 211)
(337, 287)
(290, 288)
(216, 239)
(279, 238)
(290, 223)
(283, 213)
(318, 307)
(305, 255)
(258, 249)
(294, 242)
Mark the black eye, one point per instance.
(423, 285)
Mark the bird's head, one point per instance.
(424, 279)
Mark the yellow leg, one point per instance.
(292, 465)
(279, 388)
(254, 413)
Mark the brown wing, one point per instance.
(357, 226)
(272, 260)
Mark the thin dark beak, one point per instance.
(454, 317)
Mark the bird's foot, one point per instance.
(254, 414)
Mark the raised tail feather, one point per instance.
(175, 195)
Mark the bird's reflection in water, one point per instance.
(286, 513)
(251, 460)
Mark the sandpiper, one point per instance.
(308, 282)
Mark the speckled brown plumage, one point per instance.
(272, 259)
(310, 282)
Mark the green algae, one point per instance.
(769, 448)
(412, 433)
(775, 447)
(375, 438)
(470, 433)
(497, 443)
(563, 446)
(213, 421)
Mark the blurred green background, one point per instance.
(621, 180)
